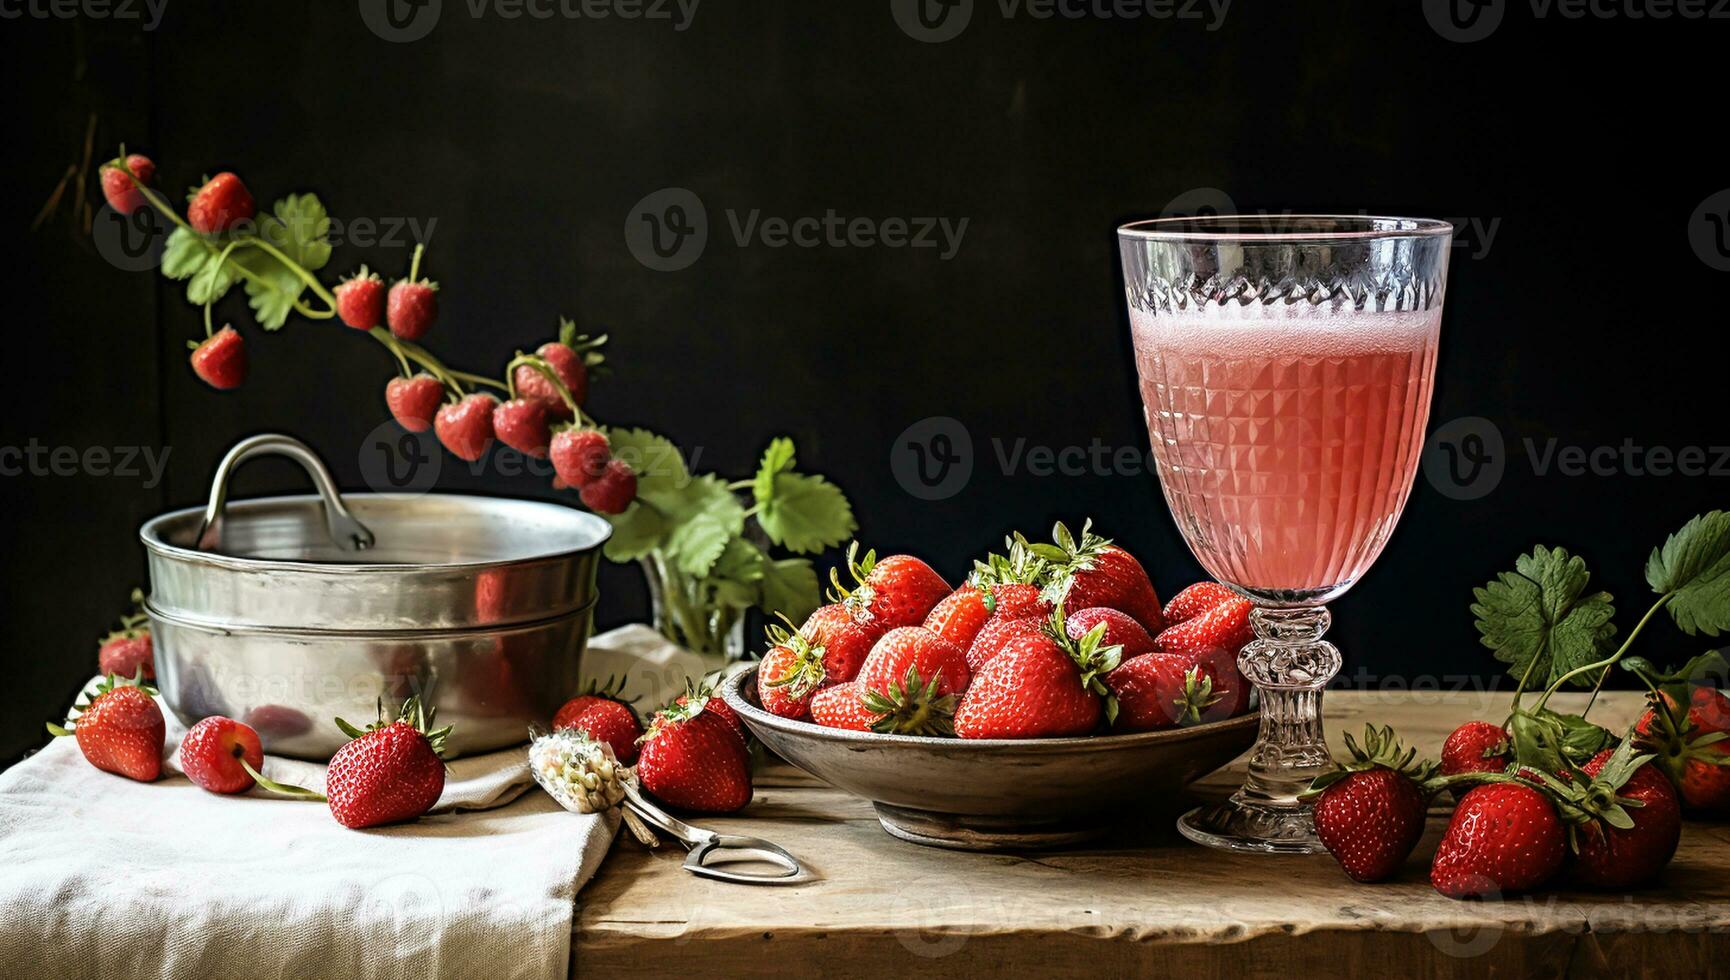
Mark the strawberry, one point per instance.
(961, 615)
(579, 455)
(411, 307)
(999, 585)
(1095, 572)
(1632, 846)
(1225, 628)
(1121, 630)
(1476, 746)
(912, 677)
(1195, 600)
(998, 633)
(613, 490)
(1160, 690)
(121, 729)
(127, 652)
(212, 751)
(599, 714)
(119, 190)
(414, 401)
(898, 591)
(702, 697)
(568, 365)
(221, 359)
(1369, 813)
(843, 706)
(692, 760)
(844, 642)
(390, 772)
(1691, 746)
(1043, 685)
(466, 427)
(1019, 600)
(220, 204)
(1504, 837)
(787, 676)
(360, 300)
(522, 424)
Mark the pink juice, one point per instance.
(1287, 437)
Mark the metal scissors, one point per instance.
(705, 845)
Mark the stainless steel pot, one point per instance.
(285, 612)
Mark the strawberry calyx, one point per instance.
(589, 348)
(1674, 740)
(1066, 556)
(363, 274)
(1197, 696)
(1382, 749)
(110, 682)
(1092, 655)
(414, 712)
(1582, 799)
(807, 673)
(858, 598)
(1019, 567)
(911, 707)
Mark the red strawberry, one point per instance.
(961, 615)
(613, 490)
(844, 642)
(1609, 856)
(414, 401)
(580, 455)
(120, 730)
(568, 365)
(1225, 628)
(898, 591)
(1195, 600)
(390, 772)
(1019, 600)
(221, 359)
(122, 194)
(212, 751)
(127, 652)
(1504, 837)
(1691, 747)
(1040, 686)
(694, 761)
(702, 697)
(1160, 690)
(360, 300)
(600, 715)
(1121, 630)
(411, 308)
(790, 672)
(842, 706)
(1369, 813)
(911, 678)
(1476, 746)
(998, 633)
(1095, 572)
(522, 424)
(222, 203)
(466, 427)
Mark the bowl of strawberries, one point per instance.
(1044, 697)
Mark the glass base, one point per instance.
(1238, 825)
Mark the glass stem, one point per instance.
(1290, 664)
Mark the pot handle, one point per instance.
(348, 533)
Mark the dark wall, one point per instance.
(1578, 309)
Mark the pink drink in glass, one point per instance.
(1287, 436)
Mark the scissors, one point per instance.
(705, 845)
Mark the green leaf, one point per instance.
(184, 254)
(210, 283)
(1539, 618)
(661, 475)
(736, 580)
(777, 459)
(790, 587)
(636, 532)
(705, 517)
(1694, 564)
(1580, 740)
(807, 514)
(298, 227)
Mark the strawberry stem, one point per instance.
(414, 263)
(299, 792)
(1607, 662)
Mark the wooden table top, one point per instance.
(1143, 900)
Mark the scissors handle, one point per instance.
(722, 849)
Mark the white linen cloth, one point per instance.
(104, 877)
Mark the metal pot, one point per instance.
(285, 612)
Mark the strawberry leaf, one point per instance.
(299, 228)
(184, 254)
(790, 587)
(1694, 565)
(636, 532)
(705, 517)
(777, 459)
(1540, 620)
(737, 577)
(210, 283)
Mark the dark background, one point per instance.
(1591, 319)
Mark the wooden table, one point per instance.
(1142, 902)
